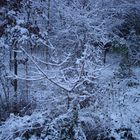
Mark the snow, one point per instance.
(72, 94)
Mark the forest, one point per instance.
(69, 69)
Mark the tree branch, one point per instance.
(68, 90)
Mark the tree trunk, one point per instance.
(27, 83)
(48, 29)
(15, 80)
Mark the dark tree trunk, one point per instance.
(15, 69)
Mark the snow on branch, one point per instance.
(31, 58)
(53, 64)
(45, 75)
(26, 79)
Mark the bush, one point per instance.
(20, 108)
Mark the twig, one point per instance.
(56, 64)
(43, 71)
